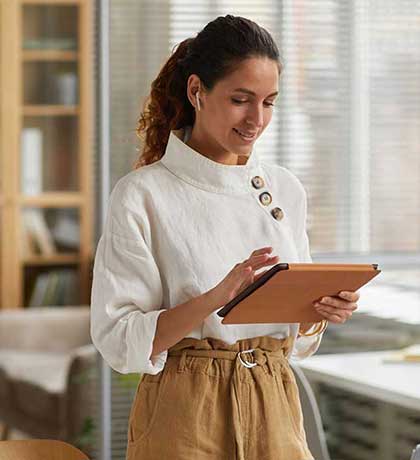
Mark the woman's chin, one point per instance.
(245, 150)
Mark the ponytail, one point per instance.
(167, 108)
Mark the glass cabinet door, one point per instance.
(50, 98)
(50, 27)
(49, 154)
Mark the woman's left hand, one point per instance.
(338, 309)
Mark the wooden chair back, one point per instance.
(39, 449)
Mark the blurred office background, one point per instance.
(346, 122)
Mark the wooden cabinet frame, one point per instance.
(12, 111)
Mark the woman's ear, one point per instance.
(193, 87)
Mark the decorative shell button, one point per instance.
(265, 198)
(277, 213)
(257, 182)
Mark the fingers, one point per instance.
(244, 274)
(338, 303)
(333, 317)
(258, 256)
(260, 261)
(333, 314)
(335, 309)
(246, 270)
(350, 296)
(260, 251)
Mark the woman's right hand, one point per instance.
(242, 275)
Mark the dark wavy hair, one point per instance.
(212, 55)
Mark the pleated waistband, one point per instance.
(248, 352)
(216, 348)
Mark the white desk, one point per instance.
(368, 375)
(386, 429)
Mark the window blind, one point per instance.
(350, 122)
(347, 118)
(393, 75)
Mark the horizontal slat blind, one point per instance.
(314, 113)
(139, 44)
(351, 121)
(347, 119)
(394, 90)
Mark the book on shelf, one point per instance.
(50, 43)
(69, 288)
(29, 246)
(55, 288)
(36, 228)
(38, 291)
(31, 161)
(50, 294)
(66, 88)
(66, 229)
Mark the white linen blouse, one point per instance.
(174, 229)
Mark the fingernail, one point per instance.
(325, 299)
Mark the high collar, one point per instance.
(200, 171)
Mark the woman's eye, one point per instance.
(237, 101)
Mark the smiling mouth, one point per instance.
(245, 136)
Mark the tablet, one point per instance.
(285, 293)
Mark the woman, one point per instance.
(186, 231)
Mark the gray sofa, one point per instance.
(48, 373)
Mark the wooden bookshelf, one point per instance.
(46, 114)
(53, 200)
(49, 110)
(49, 55)
(59, 259)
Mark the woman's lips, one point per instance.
(248, 137)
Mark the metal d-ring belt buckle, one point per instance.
(244, 361)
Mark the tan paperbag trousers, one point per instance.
(220, 402)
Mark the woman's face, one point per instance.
(237, 110)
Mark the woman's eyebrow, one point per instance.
(248, 91)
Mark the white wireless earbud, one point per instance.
(198, 101)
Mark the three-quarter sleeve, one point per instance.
(303, 346)
(126, 298)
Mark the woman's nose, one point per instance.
(255, 117)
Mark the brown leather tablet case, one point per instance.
(286, 292)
